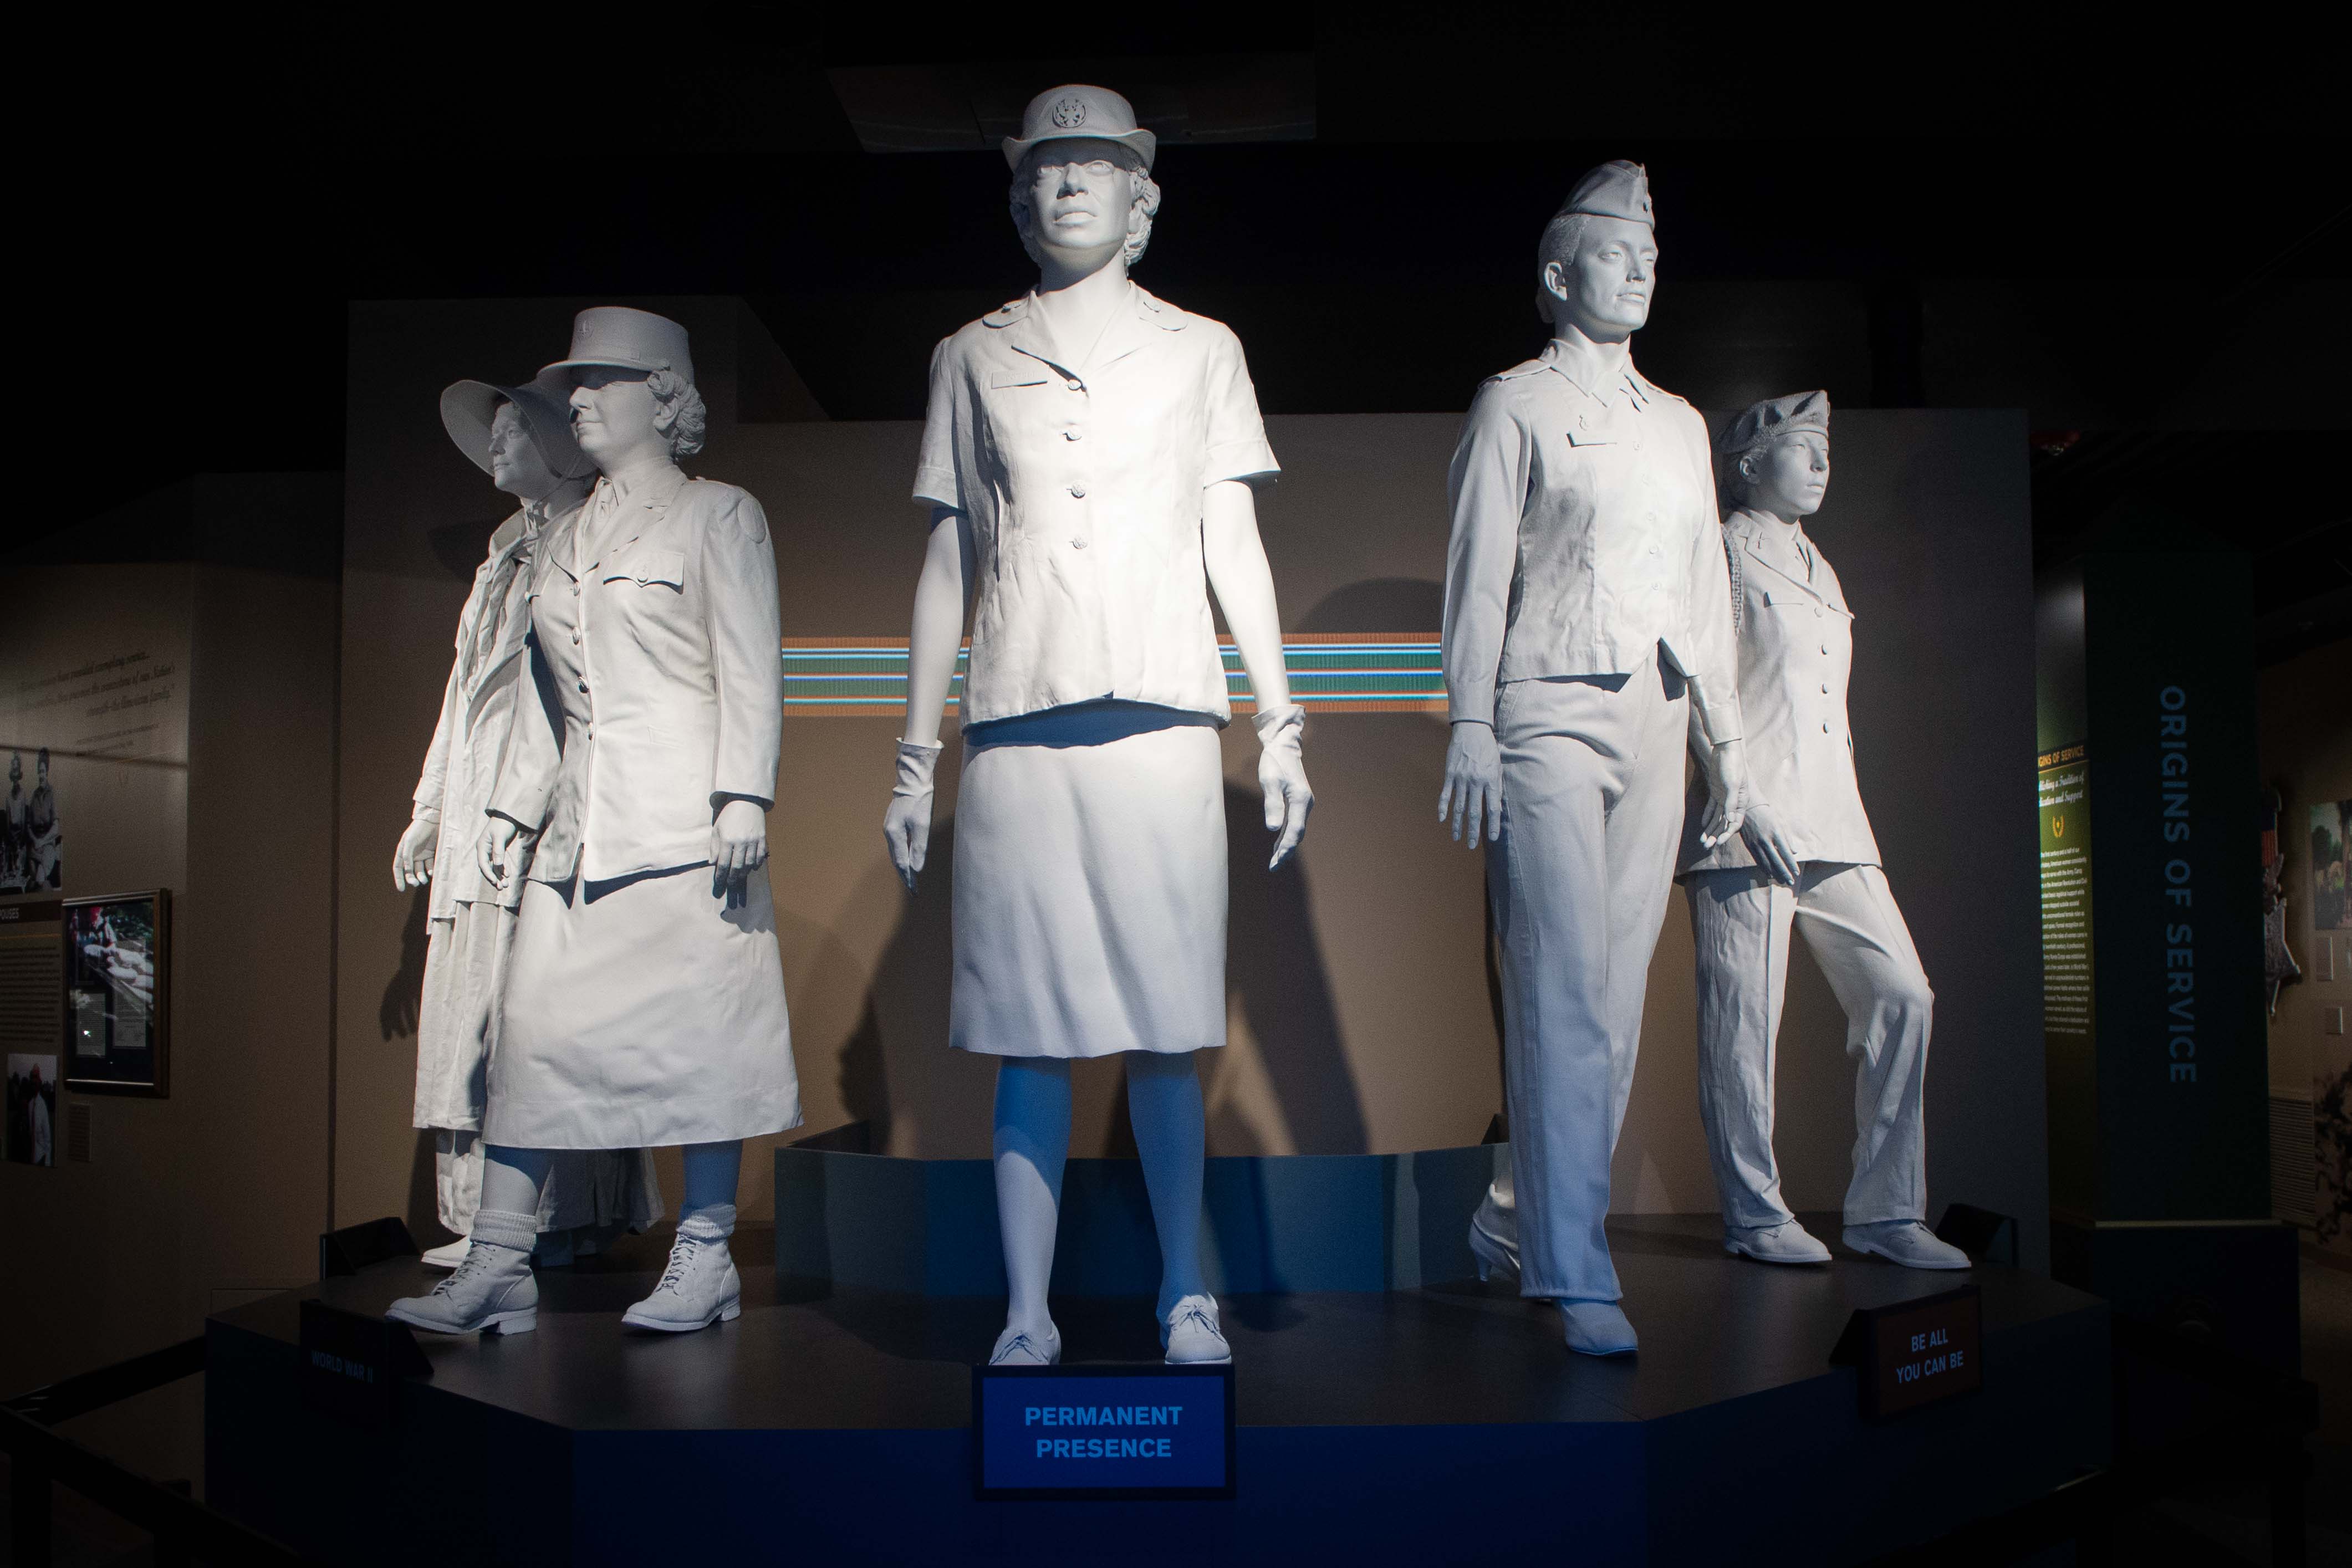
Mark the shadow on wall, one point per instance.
(404, 993)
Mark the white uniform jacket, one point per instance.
(1081, 473)
(1796, 651)
(1585, 539)
(477, 706)
(659, 676)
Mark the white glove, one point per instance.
(907, 825)
(1282, 774)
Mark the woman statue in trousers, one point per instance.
(645, 1003)
(520, 437)
(1806, 860)
(1087, 462)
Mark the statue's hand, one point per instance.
(496, 850)
(412, 862)
(1768, 839)
(1472, 795)
(739, 839)
(907, 825)
(1282, 774)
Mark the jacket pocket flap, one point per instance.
(998, 379)
(663, 566)
(1583, 438)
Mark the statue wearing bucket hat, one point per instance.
(1588, 635)
(1087, 470)
(1805, 858)
(521, 437)
(644, 1005)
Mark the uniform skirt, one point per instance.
(643, 1012)
(1091, 883)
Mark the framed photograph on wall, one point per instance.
(117, 993)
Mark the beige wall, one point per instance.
(1360, 1012)
(199, 1200)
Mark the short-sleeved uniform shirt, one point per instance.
(1081, 473)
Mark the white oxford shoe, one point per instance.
(1785, 1243)
(1191, 1336)
(446, 1256)
(1907, 1242)
(1598, 1328)
(1016, 1348)
(490, 1291)
(700, 1287)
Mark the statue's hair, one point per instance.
(1145, 204)
(678, 411)
(1560, 238)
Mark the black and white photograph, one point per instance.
(32, 845)
(117, 979)
(32, 1110)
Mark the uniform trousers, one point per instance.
(1740, 923)
(1592, 811)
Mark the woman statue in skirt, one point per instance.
(521, 437)
(1088, 462)
(645, 1000)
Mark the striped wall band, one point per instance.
(1377, 672)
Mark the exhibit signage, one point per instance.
(1117, 1431)
(354, 1364)
(1916, 1352)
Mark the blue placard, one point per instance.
(1143, 1431)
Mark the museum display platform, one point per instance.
(832, 1421)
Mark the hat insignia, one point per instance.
(1070, 113)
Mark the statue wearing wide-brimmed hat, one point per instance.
(520, 435)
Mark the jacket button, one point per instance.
(1077, 544)
(1825, 647)
(1072, 435)
(1079, 491)
(1826, 688)
(1825, 730)
(584, 686)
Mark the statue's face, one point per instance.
(1791, 475)
(516, 466)
(612, 411)
(1081, 197)
(1605, 288)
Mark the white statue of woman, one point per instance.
(645, 1003)
(1805, 857)
(1088, 464)
(520, 437)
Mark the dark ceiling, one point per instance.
(2146, 251)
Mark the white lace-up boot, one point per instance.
(1191, 1336)
(700, 1286)
(491, 1290)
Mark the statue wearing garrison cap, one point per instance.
(1588, 636)
(1805, 858)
